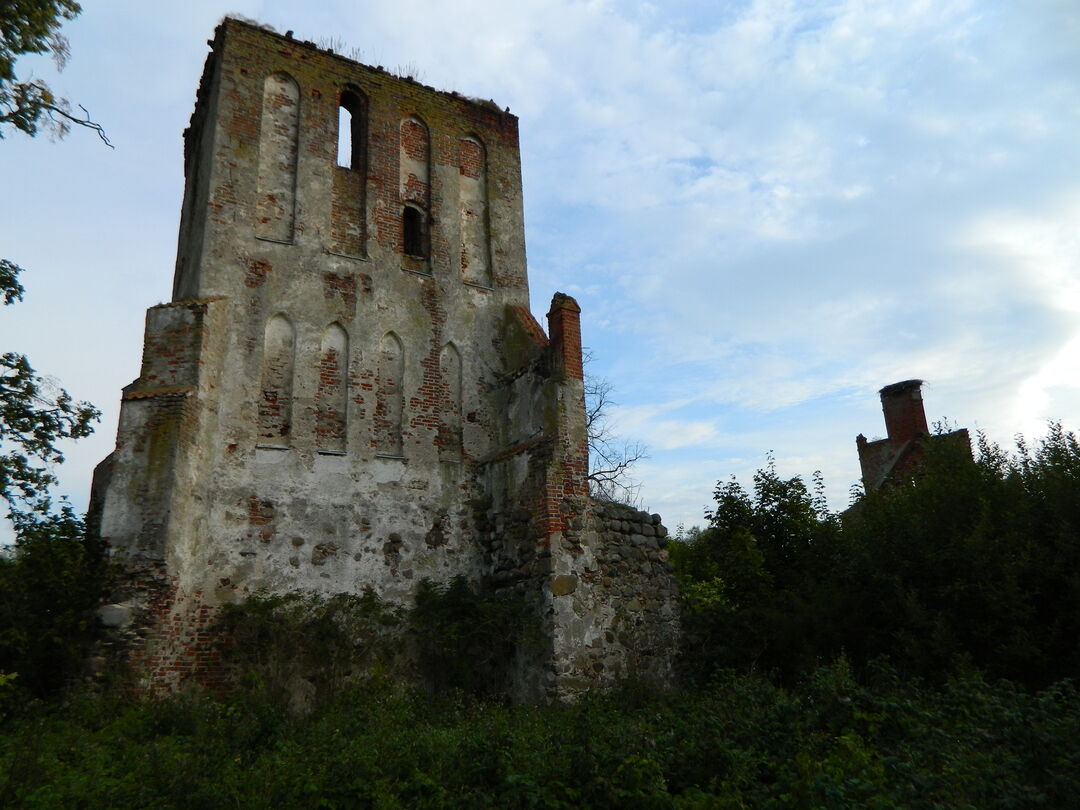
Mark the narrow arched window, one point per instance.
(345, 139)
(348, 206)
(412, 230)
(449, 439)
(352, 130)
(472, 193)
(414, 169)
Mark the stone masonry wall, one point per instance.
(614, 600)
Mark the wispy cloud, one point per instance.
(768, 209)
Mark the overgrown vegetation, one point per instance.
(914, 652)
(301, 649)
(51, 582)
(969, 565)
(743, 742)
(468, 640)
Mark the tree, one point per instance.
(34, 414)
(33, 26)
(49, 589)
(611, 459)
(56, 577)
(962, 564)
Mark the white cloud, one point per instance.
(767, 209)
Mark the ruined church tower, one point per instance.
(347, 389)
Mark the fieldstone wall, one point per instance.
(614, 600)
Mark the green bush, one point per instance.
(830, 740)
(300, 648)
(964, 565)
(469, 639)
(51, 584)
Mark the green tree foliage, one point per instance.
(750, 577)
(34, 416)
(50, 584)
(965, 564)
(33, 26)
(301, 648)
(53, 579)
(10, 288)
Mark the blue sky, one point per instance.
(767, 210)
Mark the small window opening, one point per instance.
(413, 231)
(344, 142)
(351, 135)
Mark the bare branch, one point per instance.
(82, 122)
(611, 460)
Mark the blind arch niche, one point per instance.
(275, 203)
(276, 383)
(331, 395)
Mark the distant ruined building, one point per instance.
(884, 460)
(347, 389)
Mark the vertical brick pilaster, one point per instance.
(564, 327)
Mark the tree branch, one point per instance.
(82, 122)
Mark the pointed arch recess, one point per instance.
(331, 395)
(449, 440)
(276, 394)
(275, 203)
(389, 396)
(473, 200)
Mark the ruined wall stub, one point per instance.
(347, 389)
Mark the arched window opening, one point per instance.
(352, 130)
(414, 156)
(449, 439)
(412, 227)
(348, 203)
(344, 143)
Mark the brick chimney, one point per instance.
(564, 330)
(905, 418)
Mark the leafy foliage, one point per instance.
(743, 742)
(467, 639)
(10, 288)
(34, 415)
(49, 589)
(33, 26)
(301, 648)
(33, 419)
(964, 565)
